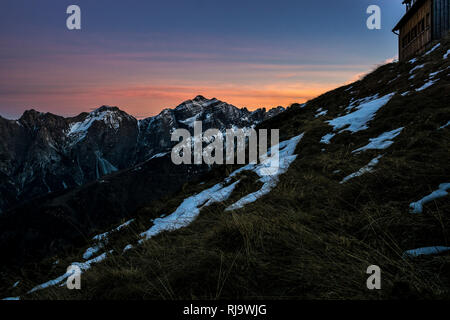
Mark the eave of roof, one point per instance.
(408, 14)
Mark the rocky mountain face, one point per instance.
(42, 152)
(154, 133)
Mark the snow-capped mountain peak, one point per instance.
(112, 117)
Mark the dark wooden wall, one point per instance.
(441, 14)
(416, 33)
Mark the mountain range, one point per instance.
(42, 153)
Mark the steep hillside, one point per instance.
(363, 180)
(55, 223)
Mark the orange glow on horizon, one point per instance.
(146, 101)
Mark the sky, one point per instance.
(145, 55)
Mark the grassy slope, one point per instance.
(311, 237)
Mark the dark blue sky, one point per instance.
(145, 55)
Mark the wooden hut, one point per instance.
(424, 22)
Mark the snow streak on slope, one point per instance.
(83, 267)
(102, 239)
(357, 120)
(427, 84)
(416, 68)
(87, 264)
(417, 207)
(158, 155)
(91, 251)
(286, 157)
(445, 125)
(367, 168)
(320, 113)
(446, 55)
(190, 207)
(326, 138)
(430, 81)
(383, 141)
(432, 49)
(127, 247)
(425, 251)
(104, 236)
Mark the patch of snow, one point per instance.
(11, 298)
(420, 66)
(286, 157)
(355, 102)
(82, 265)
(320, 113)
(433, 74)
(398, 76)
(158, 155)
(445, 125)
(92, 251)
(405, 93)
(383, 141)
(15, 284)
(365, 112)
(425, 251)
(127, 247)
(367, 168)
(432, 49)
(413, 60)
(427, 84)
(326, 138)
(447, 54)
(104, 236)
(189, 209)
(417, 207)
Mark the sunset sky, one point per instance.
(145, 55)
